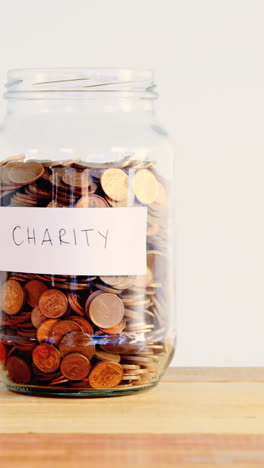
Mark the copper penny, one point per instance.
(75, 304)
(119, 282)
(116, 344)
(44, 329)
(117, 329)
(55, 204)
(75, 366)
(75, 178)
(115, 184)
(106, 310)
(37, 317)
(11, 297)
(34, 289)
(18, 370)
(61, 328)
(77, 342)
(86, 326)
(90, 299)
(157, 264)
(91, 201)
(46, 357)
(104, 356)
(105, 374)
(25, 173)
(53, 303)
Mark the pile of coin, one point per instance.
(86, 332)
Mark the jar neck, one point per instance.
(86, 90)
(99, 104)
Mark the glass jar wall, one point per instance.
(86, 296)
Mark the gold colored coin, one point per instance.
(104, 356)
(131, 377)
(11, 297)
(24, 173)
(115, 184)
(91, 201)
(130, 367)
(146, 186)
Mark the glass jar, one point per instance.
(86, 295)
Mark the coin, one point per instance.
(58, 381)
(75, 178)
(130, 367)
(116, 344)
(75, 304)
(156, 263)
(103, 356)
(55, 204)
(146, 186)
(117, 329)
(130, 377)
(53, 303)
(60, 329)
(44, 329)
(106, 310)
(105, 374)
(115, 184)
(142, 281)
(24, 173)
(85, 325)
(108, 289)
(18, 370)
(89, 300)
(139, 359)
(46, 357)
(11, 297)
(91, 201)
(75, 366)
(77, 342)
(119, 282)
(33, 290)
(37, 317)
(140, 346)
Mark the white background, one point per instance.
(209, 63)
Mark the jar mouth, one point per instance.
(125, 81)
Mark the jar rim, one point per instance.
(80, 80)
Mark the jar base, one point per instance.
(82, 393)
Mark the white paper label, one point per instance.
(70, 241)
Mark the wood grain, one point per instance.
(215, 374)
(141, 451)
(194, 418)
(172, 407)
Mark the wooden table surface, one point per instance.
(194, 418)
